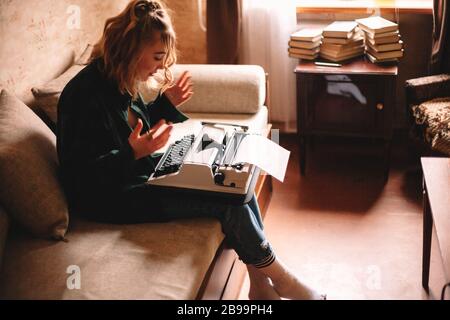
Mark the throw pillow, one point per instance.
(29, 187)
(434, 117)
(47, 95)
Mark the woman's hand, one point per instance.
(149, 142)
(181, 91)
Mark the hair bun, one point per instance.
(153, 6)
(144, 7)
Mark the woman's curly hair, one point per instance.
(124, 37)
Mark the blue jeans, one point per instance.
(241, 224)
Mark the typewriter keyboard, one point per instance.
(173, 158)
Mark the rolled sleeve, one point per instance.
(162, 108)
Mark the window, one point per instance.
(412, 6)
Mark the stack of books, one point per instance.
(341, 41)
(305, 44)
(382, 39)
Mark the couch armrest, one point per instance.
(236, 89)
(225, 88)
(425, 88)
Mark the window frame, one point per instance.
(364, 6)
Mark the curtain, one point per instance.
(266, 28)
(440, 54)
(223, 22)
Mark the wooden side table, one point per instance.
(356, 99)
(436, 211)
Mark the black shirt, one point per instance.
(96, 160)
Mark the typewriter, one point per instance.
(204, 163)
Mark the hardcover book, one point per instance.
(341, 47)
(375, 60)
(303, 56)
(343, 53)
(304, 44)
(385, 55)
(307, 34)
(380, 35)
(340, 29)
(355, 37)
(386, 47)
(376, 25)
(341, 58)
(389, 39)
(304, 51)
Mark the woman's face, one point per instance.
(151, 60)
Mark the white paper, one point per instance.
(263, 153)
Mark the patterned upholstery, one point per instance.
(428, 101)
(433, 117)
(428, 97)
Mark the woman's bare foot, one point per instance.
(260, 286)
(291, 287)
(287, 285)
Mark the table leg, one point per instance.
(302, 154)
(387, 158)
(311, 143)
(427, 231)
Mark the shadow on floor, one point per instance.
(345, 174)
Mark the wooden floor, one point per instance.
(344, 231)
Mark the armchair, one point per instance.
(428, 98)
(428, 107)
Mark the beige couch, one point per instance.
(146, 261)
(41, 50)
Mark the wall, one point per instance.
(191, 38)
(40, 37)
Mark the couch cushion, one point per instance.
(29, 187)
(236, 89)
(4, 224)
(434, 117)
(47, 95)
(141, 261)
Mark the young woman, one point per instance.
(107, 136)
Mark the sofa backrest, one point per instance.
(225, 88)
(217, 88)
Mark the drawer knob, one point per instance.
(380, 106)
